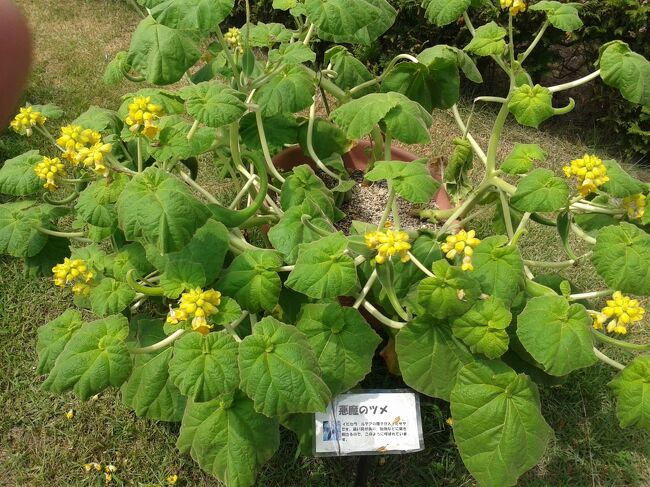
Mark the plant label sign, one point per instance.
(376, 422)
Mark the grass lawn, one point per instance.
(40, 447)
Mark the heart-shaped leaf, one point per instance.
(632, 389)
(483, 327)
(541, 190)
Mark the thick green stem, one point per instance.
(605, 359)
(160, 345)
(582, 234)
(601, 337)
(507, 217)
(533, 44)
(420, 265)
(306, 220)
(384, 320)
(55, 233)
(593, 294)
(139, 146)
(366, 289)
(146, 290)
(389, 205)
(228, 54)
(192, 131)
(68, 199)
(265, 147)
(495, 139)
(310, 143)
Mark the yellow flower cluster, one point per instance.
(515, 6)
(26, 119)
(49, 169)
(143, 116)
(590, 173)
(233, 38)
(635, 206)
(198, 305)
(461, 243)
(94, 156)
(389, 243)
(620, 312)
(109, 470)
(74, 138)
(75, 272)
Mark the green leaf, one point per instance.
(622, 258)
(303, 184)
(180, 276)
(287, 235)
(214, 236)
(498, 268)
(433, 55)
(327, 139)
(430, 356)
(456, 176)
(115, 69)
(632, 389)
(323, 269)
(353, 21)
(489, 39)
(54, 336)
(444, 12)
(541, 191)
(266, 35)
(498, 426)
(522, 157)
(343, 341)
(100, 120)
(18, 234)
(17, 176)
(131, 257)
(287, 92)
(205, 367)
(96, 203)
(162, 55)
(150, 392)
(110, 297)
(450, 293)
(50, 110)
(253, 281)
(156, 207)
(170, 101)
(56, 249)
(213, 103)
(280, 130)
(350, 71)
(563, 16)
(406, 120)
(229, 440)
(204, 15)
(93, 359)
(531, 105)
(172, 140)
(483, 328)
(411, 180)
(625, 70)
(621, 184)
(289, 54)
(279, 370)
(284, 4)
(556, 334)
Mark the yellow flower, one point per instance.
(74, 138)
(515, 6)
(69, 414)
(93, 465)
(94, 156)
(26, 119)
(172, 479)
(635, 206)
(73, 272)
(198, 305)
(620, 312)
(450, 421)
(590, 174)
(387, 244)
(233, 38)
(143, 116)
(50, 169)
(463, 243)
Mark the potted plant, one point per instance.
(200, 320)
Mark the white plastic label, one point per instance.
(369, 423)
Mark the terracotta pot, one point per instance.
(357, 160)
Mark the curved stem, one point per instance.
(536, 40)
(55, 233)
(192, 131)
(160, 345)
(582, 234)
(190, 182)
(265, 147)
(384, 320)
(605, 359)
(601, 337)
(310, 143)
(146, 290)
(477, 148)
(389, 206)
(306, 220)
(576, 83)
(68, 199)
(420, 265)
(366, 289)
(490, 99)
(310, 32)
(593, 294)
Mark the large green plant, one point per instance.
(197, 324)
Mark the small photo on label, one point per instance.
(376, 422)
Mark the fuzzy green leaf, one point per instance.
(17, 176)
(522, 157)
(488, 40)
(483, 328)
(288, 92)
(541, 191)
(201, 15)
(323, 270)
(498, 268)
(93, 359)
(556, 334)
(621, 184)
(561, 15)
(213, 103)
(444, 12)
(229, 439)
(625, 70)
(531, 105)
(96, 203)
(280, 371)
(412, 181)
(205, 367)
(632, 389)
(622, 258)
(18, 234)
(110, 297)
(53, 337)
(343, 341)
(498, 425)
